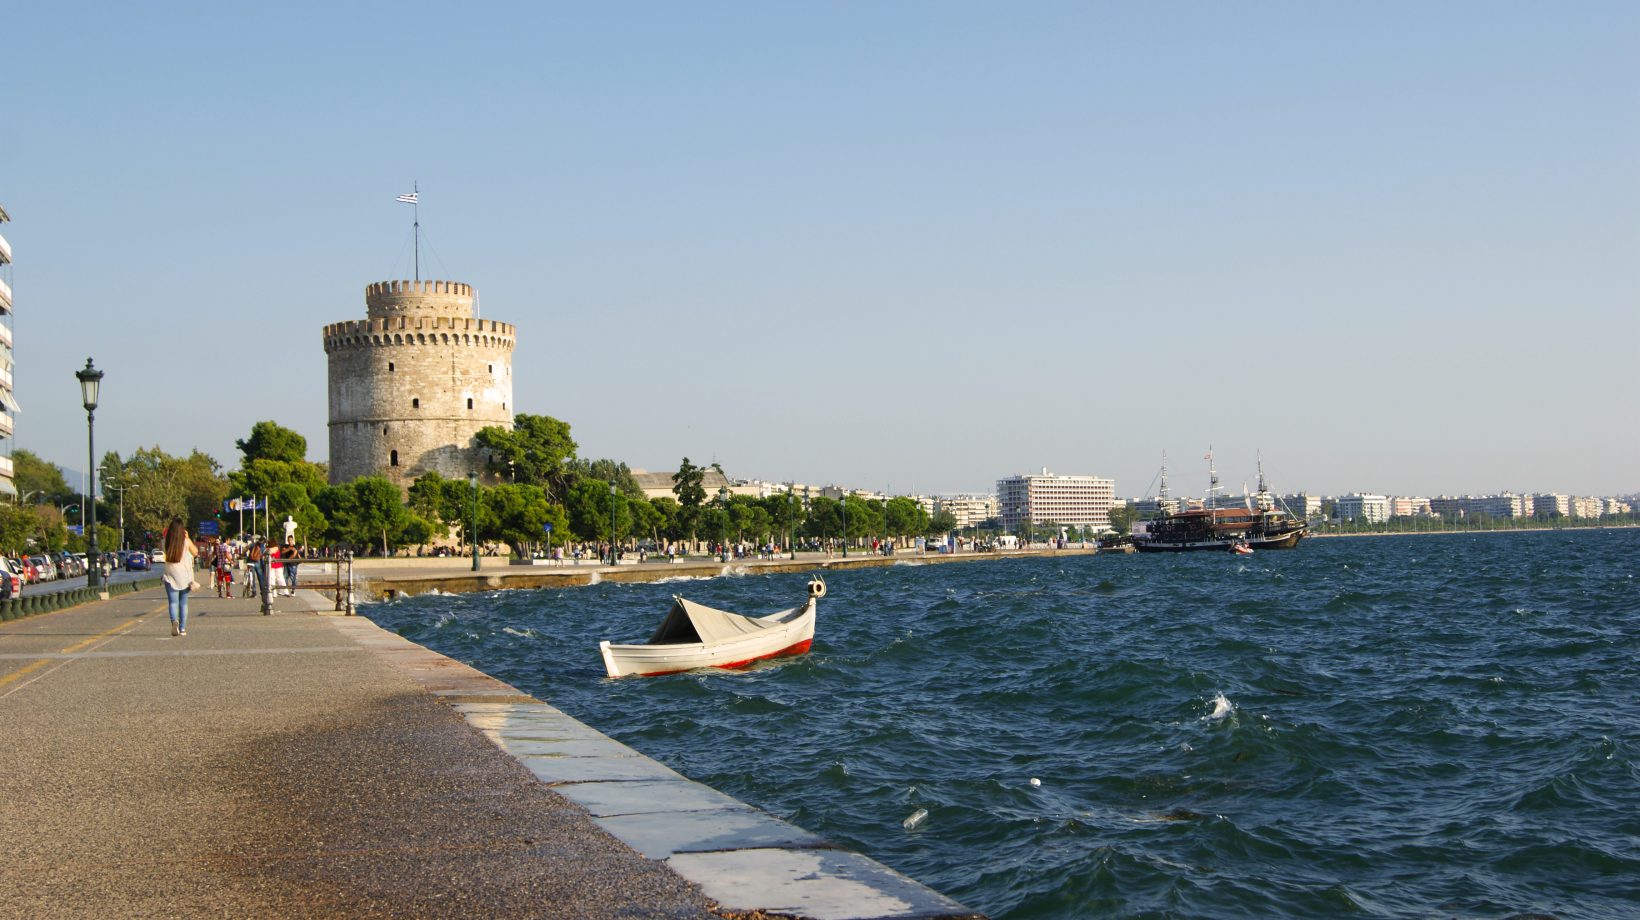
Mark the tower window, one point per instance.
(415, 404)
(492, 368)
(384, 431)
(469, 402)
(390, 367)
(393, 458)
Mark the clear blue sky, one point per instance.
(1396, 246)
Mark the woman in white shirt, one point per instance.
(179, 575)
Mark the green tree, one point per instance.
(270, 441)
(517, 515)
(905, 517)
(377, 512)
(940, 523)
(30, 474)
(825, 519)
(665, 518)
(433, 498)
(607, 471)
(1122, 518)
(18, 525)
(532, 452)
(715, 523)
(588, 506)
(687, 485)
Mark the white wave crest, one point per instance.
(675, 579)
(1222, 707)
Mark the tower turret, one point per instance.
(414, 382)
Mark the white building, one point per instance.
(1506, 505)
(1301, 505)
(1408, 506)
(1551, 504)
(1586, 507)
(1072, 501)
(968, 510)
(1373, 509)
(8, 402)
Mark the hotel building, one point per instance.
(1073, 501)
(1373, 509)
(8, 402)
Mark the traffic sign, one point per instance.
(209, 528)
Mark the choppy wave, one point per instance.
(1378, 727)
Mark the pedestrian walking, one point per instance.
(253, 565)
(179, 575)
(287, 554)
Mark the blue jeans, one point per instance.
(176, 604)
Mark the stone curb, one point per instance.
(743, 858)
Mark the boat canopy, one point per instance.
(688, 621)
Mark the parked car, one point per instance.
(136, 562)
(44, 570)
(29, 575)
(13, 569)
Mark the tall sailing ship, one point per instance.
(1256, 524)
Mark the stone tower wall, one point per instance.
(418, 378)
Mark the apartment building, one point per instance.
(1408, 506)
(1551, 504)
(1074, 501)
(1506, 505)
(968, 510)
(8, 402)
(1361, 506)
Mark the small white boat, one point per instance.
(696, 636)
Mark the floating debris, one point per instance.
(1036, 782)
(916, 818)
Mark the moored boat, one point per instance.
(696, 636)
(1258, 525)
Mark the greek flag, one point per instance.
(408, 199)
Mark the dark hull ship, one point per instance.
(1219, 528)
(1259, 525)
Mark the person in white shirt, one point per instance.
(179, 575)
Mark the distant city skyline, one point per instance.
(907, 247)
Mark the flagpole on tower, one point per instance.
(414, 198)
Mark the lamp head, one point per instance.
(90, 382)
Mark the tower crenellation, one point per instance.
(413, 382)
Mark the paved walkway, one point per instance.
(274, 766)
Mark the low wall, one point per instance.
(385, 578)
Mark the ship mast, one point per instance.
(1164, 475)
(1212, 477)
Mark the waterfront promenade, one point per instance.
(305, 764)
(376, 578)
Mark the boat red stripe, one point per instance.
(796, 649)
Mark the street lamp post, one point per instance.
(90, 382)
(472, 479)
(791, 520)
(122, 490)
(612, 559)
(845, 525)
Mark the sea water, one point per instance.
(1418, 726)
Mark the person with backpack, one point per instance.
(253, 564)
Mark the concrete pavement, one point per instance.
(302, 765)
(273, 766)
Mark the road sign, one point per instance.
(546, 528)
(209, 528)
(76, 529)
